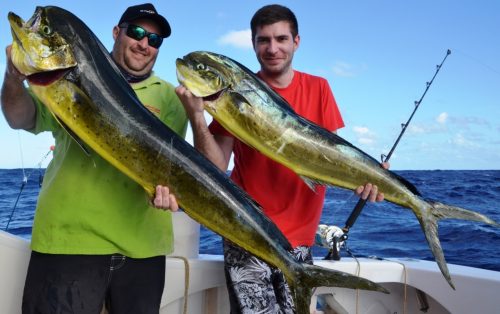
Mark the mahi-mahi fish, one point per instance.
(72, 73)
(250, 110)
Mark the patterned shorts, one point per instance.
(256, 287)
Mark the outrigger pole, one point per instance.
(385, 158)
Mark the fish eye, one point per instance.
(46, 30)
(200, 66)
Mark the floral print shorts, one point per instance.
(256, 287)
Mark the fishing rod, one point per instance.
(342, 235)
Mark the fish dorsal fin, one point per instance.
(73, 136)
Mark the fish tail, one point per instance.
(443, 211)
(311, 276)
(429, 218)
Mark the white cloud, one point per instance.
(442, 118)
(445, 122)
(416, 129)
(462, 141)
(343, 69)
(238, 39)
(366, 141)
(431, 128)
(364, 135)
(468, 122)
(361, 130)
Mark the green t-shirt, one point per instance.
(86, 206)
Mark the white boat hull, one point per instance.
(477, 290)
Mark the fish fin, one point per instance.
(406, 183)
(429, 224)
(310, 276)
(73, 136)
(261, 85)
(239, 100)
(312, 184)
(430, 228)
(443, 211)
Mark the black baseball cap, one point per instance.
(146, 11)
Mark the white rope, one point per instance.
(358, 271)
(405, 275)
(186, 280)
(405, 278)
(405, 282)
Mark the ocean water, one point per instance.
(382, 230)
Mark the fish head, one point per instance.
(205, 74)
(39, 50)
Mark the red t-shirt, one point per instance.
(285, 198)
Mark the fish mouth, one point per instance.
(48, 77)
(215, 96)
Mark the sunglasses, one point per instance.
(138, 33)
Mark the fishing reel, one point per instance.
(333, 238)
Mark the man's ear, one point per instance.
(296, 42)
(116, 31)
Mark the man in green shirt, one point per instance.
(97, 238)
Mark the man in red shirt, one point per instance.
(254, 286)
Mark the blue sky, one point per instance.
(376, 55)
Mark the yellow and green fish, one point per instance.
(262, 119)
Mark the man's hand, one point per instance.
(192, 104)
(370, 191)
(11, 71)
(164, 200)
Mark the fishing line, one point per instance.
(487, 66)
(25, 181)
(21, 153)
(343, 204)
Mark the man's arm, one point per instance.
(216, 148)
(17, 105)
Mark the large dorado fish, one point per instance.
(72, 73)
(262, 119)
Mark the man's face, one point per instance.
(274, 46)
(136, 57)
